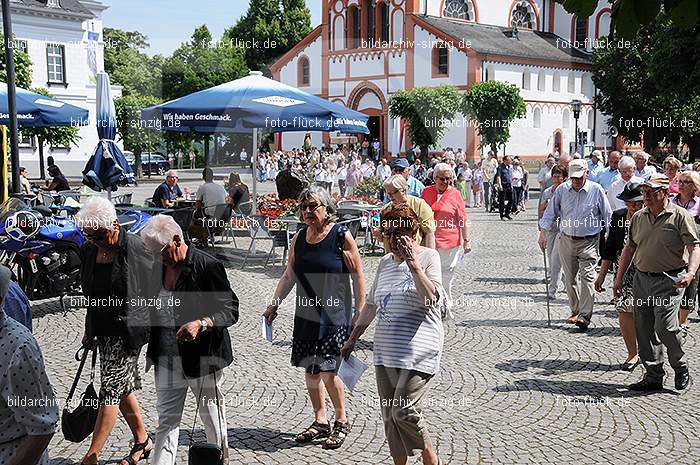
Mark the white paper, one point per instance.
(265, 330)
(676, 279)
(351, 370)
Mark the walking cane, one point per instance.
(546, 287)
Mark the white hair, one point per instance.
(396, 181)
(96, 213)
(626, 162)
(643, 154)
(443, 168)
(160, 231)
(170, 172)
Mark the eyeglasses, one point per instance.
(173, 177)
(309, 206)
(446, 179)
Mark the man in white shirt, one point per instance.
(367, 169)
(383, 171)
(544, 176)
(244, 158)
(643, 169)
(626, 167)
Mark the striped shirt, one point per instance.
(409, 335)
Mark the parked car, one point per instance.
(151, 163)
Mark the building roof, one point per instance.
(70, 7)
(498, 40)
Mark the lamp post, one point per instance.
(11, 94)
(576, 108)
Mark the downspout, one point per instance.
(595, 118)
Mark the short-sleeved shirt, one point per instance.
(450, 215)
(17, 306)
(425, 217)
(415, 187)
(163, 191)
(505, 172)
(28, 405)
(661, 241)
(211, 194)
(490, 167)
(408, 335)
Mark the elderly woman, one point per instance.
(396, 188)
(610, 253)
(688, 188)
(322, 258)
(353, 177)
(190, 344)
(452, 230)
(114, 271)
(408, 339)
(671, 167)
(626, 167)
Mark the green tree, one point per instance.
(495, 105)
(23, 66)
(134, 135)
(270, 28)
(129, 66)
(427, 110)
(652, 81)
(628, 16)
(57, 136)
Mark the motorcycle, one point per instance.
(43, 250)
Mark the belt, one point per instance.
(658, 275)
(581, 238)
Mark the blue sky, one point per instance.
(169, 23)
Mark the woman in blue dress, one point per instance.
(322, 260)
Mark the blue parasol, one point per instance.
(36, 110)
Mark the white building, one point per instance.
(65, 44)
(366, 50)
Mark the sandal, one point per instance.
(337, 437)
(315, 431)
(139, 447)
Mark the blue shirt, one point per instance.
(415, 187)
(17, 305)
(165, 192)
(606, 177)
(646, 172)
(582, 213)
(594, 169)
(505, 172)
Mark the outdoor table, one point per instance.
(369, 210)
(184, 202)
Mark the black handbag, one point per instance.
(204, 453)
(79, 424)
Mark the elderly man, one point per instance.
(168, 191)
(643, 169)
(660, 235)
(383, 171)
(595, 164)
(626, 168)
(544, 176)
(610, 174)
(583, 211)
(28, 406)
(415, 187)
(190, 344)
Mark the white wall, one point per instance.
(289, 73)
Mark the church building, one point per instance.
(366, 50)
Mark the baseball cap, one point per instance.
(657, 181)
(577, 168)
(597, 154)
(399, 162)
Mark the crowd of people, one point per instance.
(636, 221)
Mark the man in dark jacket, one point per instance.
(190, 344)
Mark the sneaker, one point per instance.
(682, 379)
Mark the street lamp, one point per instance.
(576, 108)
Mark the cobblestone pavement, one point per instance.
(510, 390)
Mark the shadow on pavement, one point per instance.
(550, 367)
(577, 389)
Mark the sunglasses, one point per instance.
(685, 182)
(444, 179)
(96, 236)
(309, 206)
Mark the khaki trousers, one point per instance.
(401, 393)
(578, 258)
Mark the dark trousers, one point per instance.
(505, 195)
(341, 187)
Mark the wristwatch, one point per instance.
(204, 324)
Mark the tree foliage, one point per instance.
(134, 135)
(649, 89)
(23, 66)
(426, 109)
(127, 64)
(495, 105)
(270, 28)
(628, 16)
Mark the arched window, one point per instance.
(460, 9)
(441, 60)
(370, 33)
(523, 16)
(537, 118)
(526, 79)
(353, 27)
(556, 82)
(571, 83)
(565, 117)
(382, 20)
(541, 81)
(580, 32)
(304, 72)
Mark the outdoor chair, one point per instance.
(350, 218)
(122, 199)
(216, 218)
(183, 217)
(47, 199)
(239, 215)
(259, 231)
(149, 203)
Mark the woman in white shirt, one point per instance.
(406, 297)
(518, 175)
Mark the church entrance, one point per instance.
(374, 126)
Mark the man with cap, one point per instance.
(660, 235)
(401, 166)
(595, 164)
(611, 173)
(26, 428)
(583, 211)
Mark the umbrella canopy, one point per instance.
(254, 102)
(107, 168)
(36, 110)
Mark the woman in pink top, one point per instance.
(452, 231)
